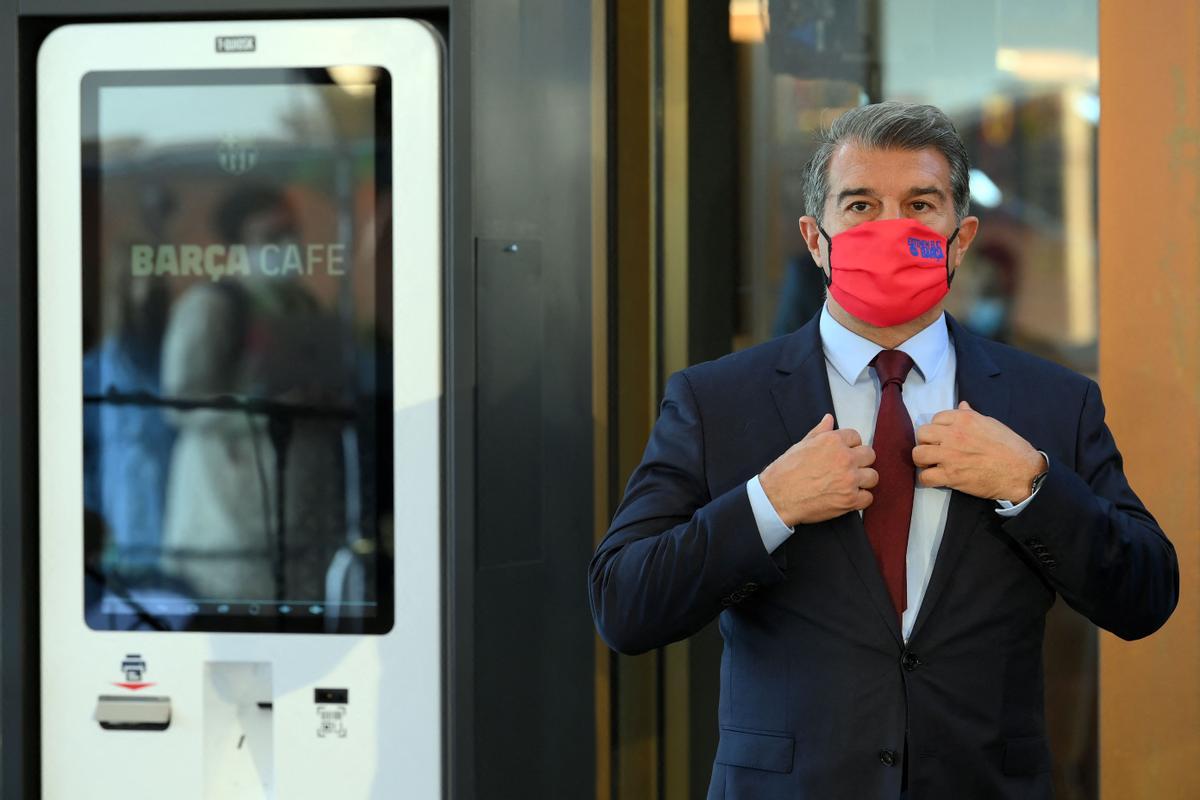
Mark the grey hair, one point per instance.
(885, 126)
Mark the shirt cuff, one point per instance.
(770, 526)
(1008, 508)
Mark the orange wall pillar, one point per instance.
(1150, 372)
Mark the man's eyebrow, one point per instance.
(859, 191)
(917, 191)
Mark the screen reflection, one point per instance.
(237, 350)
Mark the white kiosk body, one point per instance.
(240, 356)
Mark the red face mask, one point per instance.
(889, 271)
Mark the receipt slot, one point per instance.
(240, 350)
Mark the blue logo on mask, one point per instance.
(923, 248)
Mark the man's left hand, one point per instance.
(977, 455)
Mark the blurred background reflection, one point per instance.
(236, 349)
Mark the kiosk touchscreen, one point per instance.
(239, 288)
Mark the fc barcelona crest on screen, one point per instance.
(237, 156)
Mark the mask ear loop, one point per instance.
(949, 274)
(829, 278)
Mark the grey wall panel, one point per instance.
(531, 82)
(18, 646)
(510, 359)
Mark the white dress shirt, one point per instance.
(929, 388)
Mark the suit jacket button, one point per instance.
(887, 758)
(727, 601)
(910, 661)
(750, 586)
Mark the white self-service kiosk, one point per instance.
(240, 357)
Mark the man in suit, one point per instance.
(880, 508)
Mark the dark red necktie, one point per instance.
(890, 513)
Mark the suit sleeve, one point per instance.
(675, 556)
(1093, 539)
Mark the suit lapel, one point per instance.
(801, 387)
(802, 397)
(981, 384)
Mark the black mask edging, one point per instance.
(949, 274)
(828, 278)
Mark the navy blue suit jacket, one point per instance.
(820, 696)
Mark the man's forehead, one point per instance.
(884, 169)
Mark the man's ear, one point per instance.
(967, 228)
(810, 230)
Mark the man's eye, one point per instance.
(860, 206)
(921, 205)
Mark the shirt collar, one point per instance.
(851, 354)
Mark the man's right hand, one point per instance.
(824, 475)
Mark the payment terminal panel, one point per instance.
(240, 350)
